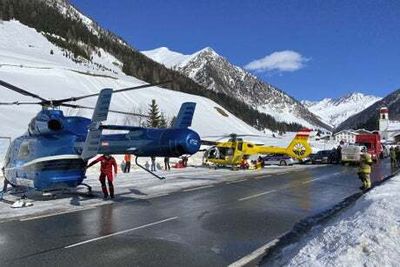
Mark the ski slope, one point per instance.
(26, 61)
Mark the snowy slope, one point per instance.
(25, 61)
(335, 111)
(175, 60)
(168, 58)
(367, 234)
(215, 73)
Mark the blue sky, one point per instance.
(310, 49)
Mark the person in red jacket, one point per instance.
(106, 170)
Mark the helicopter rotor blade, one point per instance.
(113, 111)
(21, 91)
(60, 101)
(232, 135)
(208, 143)
(17, 103)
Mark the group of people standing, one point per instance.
(153, 166)
(126, 164)
(108, 170)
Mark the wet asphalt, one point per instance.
(211, 226)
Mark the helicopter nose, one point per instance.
(191, 143)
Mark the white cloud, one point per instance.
(278, 61)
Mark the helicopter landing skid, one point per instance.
(88, 187)
(152, 173)
(89, 192)
(13, 189)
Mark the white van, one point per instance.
(351, 153)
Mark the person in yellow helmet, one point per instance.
(364, 169)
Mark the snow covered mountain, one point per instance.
(335, 111)
(217, 74)
(368, 118)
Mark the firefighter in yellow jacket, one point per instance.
(364, 170)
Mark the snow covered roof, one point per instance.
(394, 126)
(362, 131)
(351, 131)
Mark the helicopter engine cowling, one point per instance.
(181, 141)
(49, 122)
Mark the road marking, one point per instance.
(254, 255)
(256, 195)
(312, 180)
(198, 188)
(237, 181)
(121, 232)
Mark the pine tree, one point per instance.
(172, 122)
(154, 115)
(163, 121)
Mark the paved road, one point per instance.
(210, 226)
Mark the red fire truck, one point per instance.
(373, 144)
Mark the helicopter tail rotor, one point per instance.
(185, 115)
(299, 148)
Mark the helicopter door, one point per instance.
(240, 145)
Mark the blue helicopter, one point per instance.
(54, 152)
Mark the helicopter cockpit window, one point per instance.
(225, 152)
(8, 156)
(24, 150)
(213, 153)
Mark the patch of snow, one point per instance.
(168, 58)
(366, 234)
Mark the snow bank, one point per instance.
(366, 234)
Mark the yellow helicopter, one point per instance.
(235, 150)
